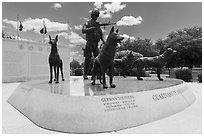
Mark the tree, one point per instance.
(74, 64)
(188, 43)
(142, 46)
(160, 45)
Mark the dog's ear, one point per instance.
(116, 31)
(56, 38)
(112, 30)
(50, 38)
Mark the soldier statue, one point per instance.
(93, 34)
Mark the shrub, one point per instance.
(200, 78)
(184, 74)
(78, 72)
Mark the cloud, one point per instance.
(129, 21)
(74, 38)
(13, 23)
(64, 34)
(37, 24)
(84, 19)
(57, 6)
(3, 26)
(78, 27)
(126, 37)
(107, 10)
(105, 14)
(98, 5)
(114, 7)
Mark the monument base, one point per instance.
(75, 106)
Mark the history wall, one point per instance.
(23, 61)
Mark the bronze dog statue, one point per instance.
(123, 60)
(55, 62)
(157, 62)
(105, 58)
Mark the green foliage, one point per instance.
(200, 78)
(184, 74)
(142, 46)
(78, 72)
(74, 64)
(76, 68)
(188, 43)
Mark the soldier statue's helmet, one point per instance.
(95, 12)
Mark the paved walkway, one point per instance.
(187, 121)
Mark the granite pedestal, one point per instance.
(75, 106)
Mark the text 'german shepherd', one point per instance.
(104, 61)
(157, 62)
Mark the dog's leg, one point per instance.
(94, 79)
(57, 75)
(139, 70)
(94, 70)
(111, 77)
(104, 81)
(103, 71)
(50, 74)
(100, 77)
(123, 71)
(159, 70)
(139, 66)
(111, 82)
(61, 69)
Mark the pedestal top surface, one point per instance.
(77, 86)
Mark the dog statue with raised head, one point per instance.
(157, 62)
(104, 61)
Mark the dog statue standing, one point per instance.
(123, 60)
(157, 62)
(105, 58)
(55, 62)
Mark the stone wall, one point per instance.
(23, 61)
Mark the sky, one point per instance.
(152, 20)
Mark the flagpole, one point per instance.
(68, 30)
(17, 27)
(43, 31)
